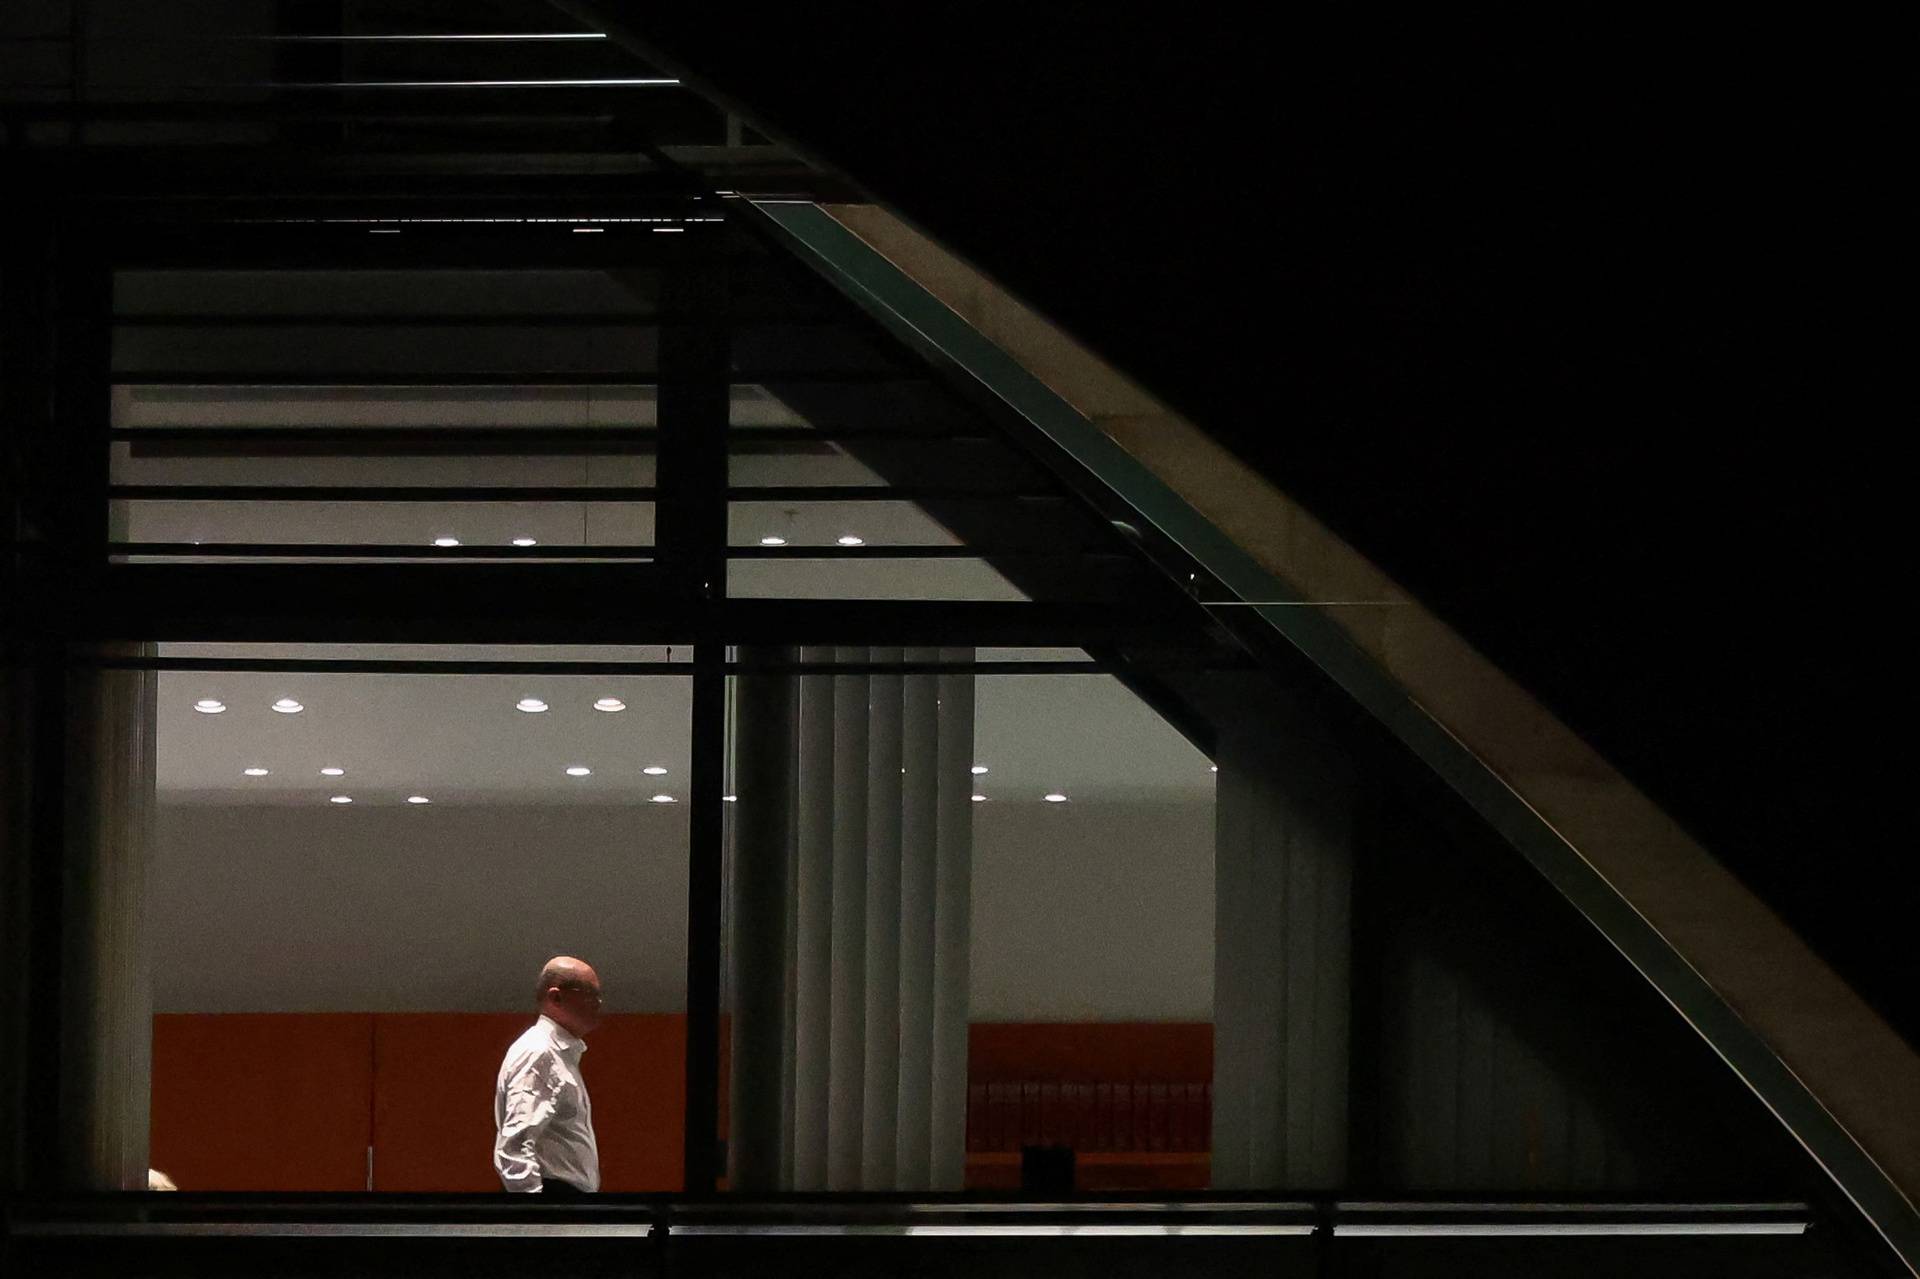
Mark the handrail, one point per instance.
(925, 323)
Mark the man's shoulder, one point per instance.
(534, 1041)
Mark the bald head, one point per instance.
(569, 993)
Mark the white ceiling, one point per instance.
(459, 738)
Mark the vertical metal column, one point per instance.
(764, 772)
(691, 538)
(27, 733)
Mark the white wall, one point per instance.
(1095, 909)
(434, 908)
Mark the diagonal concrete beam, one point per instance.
(1841, 1080)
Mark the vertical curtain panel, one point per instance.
(849, 940)
(1283, 867)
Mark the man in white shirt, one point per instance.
(542, 1118)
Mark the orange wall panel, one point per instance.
(433, 1098)
(1090, 1052)
(292, 1101)
(636, 1072)
(262, 1101)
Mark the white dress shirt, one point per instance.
(542, 1118)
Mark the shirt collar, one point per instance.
(561, 1039)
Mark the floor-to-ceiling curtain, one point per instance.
(849, 922)
(105, 1004)
(1283, 873)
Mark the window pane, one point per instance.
(335, 983)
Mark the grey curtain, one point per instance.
(849, 934)
(106, 998)
(1285, 806)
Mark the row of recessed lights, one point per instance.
(845, 539)
(214, 706)
(448, 542)
(535, 706)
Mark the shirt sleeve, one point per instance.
(531, 1095)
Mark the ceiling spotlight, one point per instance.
(771, 540)
(654, 770)
(1213, 768)
(525, 541)
(848, 539)
(979, 770)
(446, 541)
(531, 705)
(254, 772)
(729, 799)
(210, 706)
(1055, 797)
(418, 799)
(341, 799)
(333, 772)
(287, 706)
(979, 799)
(665, 799)
(609, 704)
(579, 770)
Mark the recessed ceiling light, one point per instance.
(729, 799)
(531, 705)
(579, 770)
(254, 772)
(287, 706)
(446, 541)
(1213, 768)
(665, 799)
(333, 772)
(418, 799)
(341, 799)
(654, 770)
(848, 539)
(979, 799)
(771, 540)
(525, 541)
(979, 769)
(210, 706)
(1055, 797)
(609, 704)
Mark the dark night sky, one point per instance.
(1585, 337)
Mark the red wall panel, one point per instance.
(636, 1068)
(1082, 1052)
(262, 1101)
(292, 1101)
(433, 1098)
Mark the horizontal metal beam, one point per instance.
(370, 551)
(378, 493)
(680, 670)
(482, 377)
(609, 603)
(482, 441)
(785, 493)
(427, 320)
(849, 1216)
